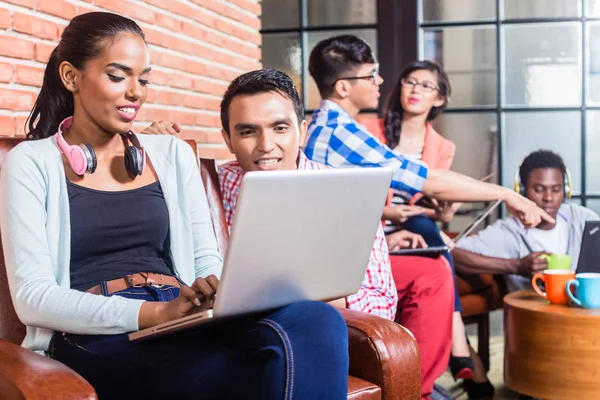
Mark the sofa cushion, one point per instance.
(359, 389)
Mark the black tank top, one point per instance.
(114, 234)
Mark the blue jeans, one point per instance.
(427, 228)
(296, 352)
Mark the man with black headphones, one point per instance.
(506, 247)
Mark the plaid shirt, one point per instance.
(337, 140)
(377, 294)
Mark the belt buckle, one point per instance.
(147, 281)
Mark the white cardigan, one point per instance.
(35, 226)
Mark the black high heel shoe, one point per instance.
(479, 390)
(461, 367)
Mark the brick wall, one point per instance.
(196, 48)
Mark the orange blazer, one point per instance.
(438, 152)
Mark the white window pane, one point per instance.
(469, 57)
(592, 145)
(280, 14)
(458, 10)
(282, 51)
(542, 64)
(515, 9)
(341, 12)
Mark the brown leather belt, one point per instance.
(135, 280)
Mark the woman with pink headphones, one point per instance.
(106, 232)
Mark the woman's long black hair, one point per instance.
(393, 111)
(85, 38)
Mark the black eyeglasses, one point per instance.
(427, 87)
(373, 77)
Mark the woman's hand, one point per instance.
(405, 240)
(163, 128)
(200, 295)
(398, 214)
(445, 210)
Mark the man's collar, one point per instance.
(332, 105)
(302, 160)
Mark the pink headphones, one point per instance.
(82, 158)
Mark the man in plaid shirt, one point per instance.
(264, 124)
(346, 74)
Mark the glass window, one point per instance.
(542, 64)
(470, 131)
(280, 14)
(594, 205)
(592, 161)
(469, 57)
(341, 12)
(458, 10)
(592, 8)
(283, 51)
(593, 67)
(314, 37)
(524, 132)
(516, 9)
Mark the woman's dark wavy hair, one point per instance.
(84, 39)
(393, 111)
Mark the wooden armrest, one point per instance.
(384, 353)
(28, 375)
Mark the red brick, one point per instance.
(194, 31)
(34, 26)
(215, 51)
(218, 153)
(27, 75)
(84, 8)
(6, 72)
(7, 125)
(26, 3)
(183, 117)
(20, 125)
(117, 6)
(43, 51)
(58, 8)
(4, 19)
(140, 13)
(16, 100)
(16, 47)
(168, 22)
(164, 4)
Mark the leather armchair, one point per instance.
(384, 357)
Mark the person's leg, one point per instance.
(430, 232)
(315, 348)
(300, 351)
(460, 361)
(425, 294)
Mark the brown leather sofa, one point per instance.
(384, 357)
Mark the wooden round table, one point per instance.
(551, 351)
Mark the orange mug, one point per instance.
(555, 281)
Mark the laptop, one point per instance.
(589, 255)
(436, 251)
(296, 235)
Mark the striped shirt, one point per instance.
(377, 294)
(337, 140)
